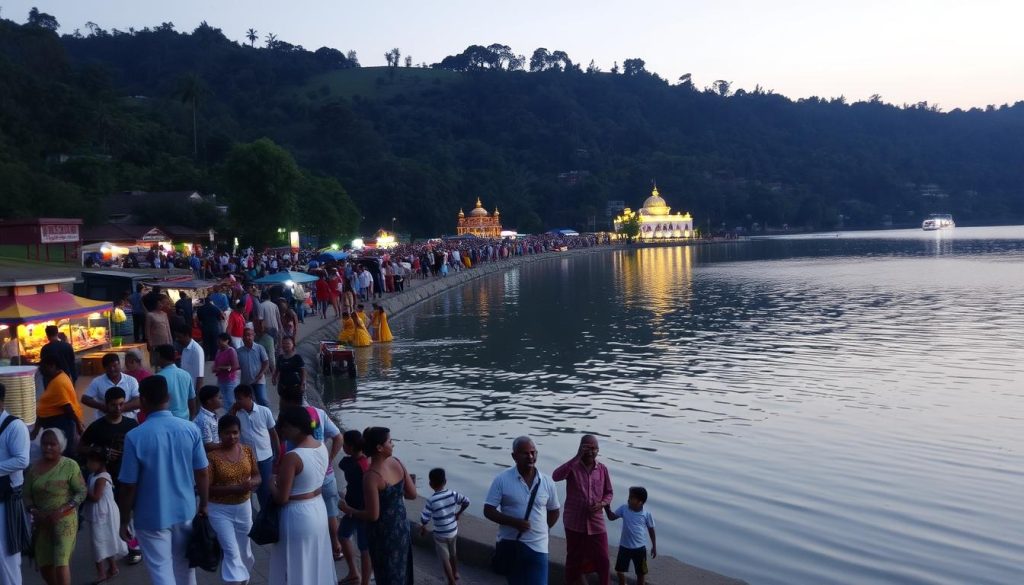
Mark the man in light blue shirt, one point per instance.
(180, 385)
(14, 450)
(163, 466)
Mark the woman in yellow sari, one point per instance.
(360, 336)
(348, 329)
(381, 331)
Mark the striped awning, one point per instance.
(15, 310)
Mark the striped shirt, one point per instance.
(442, 508)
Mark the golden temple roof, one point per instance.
(655, 205)
(479, 210)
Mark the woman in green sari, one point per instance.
(53, 490)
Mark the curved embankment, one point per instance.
(476, 535)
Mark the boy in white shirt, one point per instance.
(633, 542)
(206, 419)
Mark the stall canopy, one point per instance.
(331, 256)
(286, 275)
(15, 310)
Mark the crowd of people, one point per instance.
(168, 447)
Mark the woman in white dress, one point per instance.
(103, 516)
(233, 476)
(303, 555)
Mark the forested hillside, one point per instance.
(158, 109)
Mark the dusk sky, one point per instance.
(951, 53)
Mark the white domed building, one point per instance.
(657, 222)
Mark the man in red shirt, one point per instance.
(588, 489)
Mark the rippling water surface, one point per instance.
(838, 408)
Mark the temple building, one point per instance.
(480, 223)
(657, 221)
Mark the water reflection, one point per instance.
(810, 410)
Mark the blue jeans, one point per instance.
(227, 394)
(263, 492)
(531, 567)
(259, 393)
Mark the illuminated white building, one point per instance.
(657, 220)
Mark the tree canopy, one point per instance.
(543, 139)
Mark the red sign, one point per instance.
(56, 233)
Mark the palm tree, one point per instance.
(252, 36)
(190, 90)
(271, 40)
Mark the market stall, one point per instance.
(28, 307)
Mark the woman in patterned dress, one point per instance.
(233, 477)
(385, 485)
(53, 490)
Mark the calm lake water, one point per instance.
(837, 408)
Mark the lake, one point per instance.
(830, 408)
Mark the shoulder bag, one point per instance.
(506, 552)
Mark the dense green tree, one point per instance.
(261, 180)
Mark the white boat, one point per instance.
(938, 221)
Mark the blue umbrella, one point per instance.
(285, 276)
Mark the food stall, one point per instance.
(27, 307)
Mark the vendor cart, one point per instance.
(336, 357)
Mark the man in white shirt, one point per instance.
(506, 505)
(270, 316)
(95, 394)
(14, 451)
(193, 358)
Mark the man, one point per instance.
(193, 359)
(588, 489)
(210, 318)
(58, 405)
(163, 467)
(59, 350)
(138, 314)
(253, 364)
(95, 394)
(179, 384)
(184, 308)
(506, 505)
(158, 324)
(14, 453)
(269, 316)
(108, 433)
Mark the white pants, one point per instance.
(164, 554)
(232, 523)
(10, 565)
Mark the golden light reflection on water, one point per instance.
(660, 279)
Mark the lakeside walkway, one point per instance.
(476, 535)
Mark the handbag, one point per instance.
(203, 549)
(506, 551)
(266, 528)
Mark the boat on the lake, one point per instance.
(938, 221)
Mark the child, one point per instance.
(632, 544)
(444, 507)
(206, 419)
(258, 433)
(102, 514)
(354, 464)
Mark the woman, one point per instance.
(233, 477)
(301, 556)
(348, 329)
(348, 298)
(360, 336)
(236, 324)
(381, 331)
(58, 405)
(289, 319)
(290, 369)
(385, 483)
(225, 366)
(54, 489)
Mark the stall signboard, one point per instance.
(55, 233)
(154, 235)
